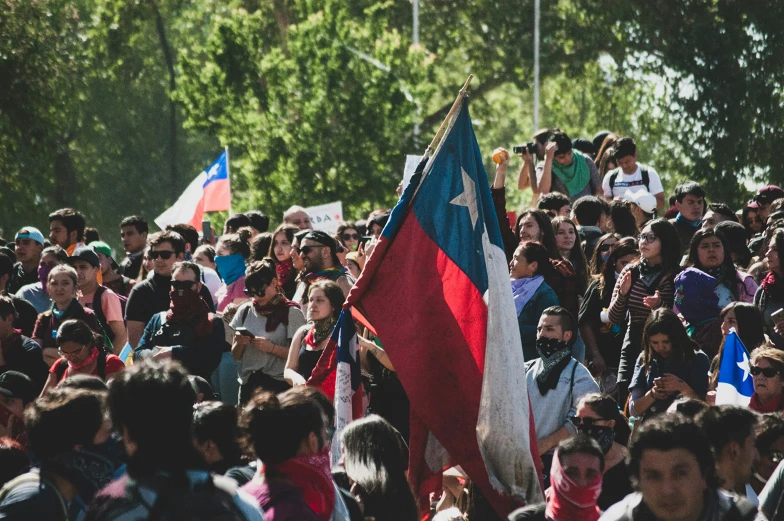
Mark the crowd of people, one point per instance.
(172, 384)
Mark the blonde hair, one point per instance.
(774, 356)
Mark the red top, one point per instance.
(114, 364)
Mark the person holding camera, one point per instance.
(566, 170)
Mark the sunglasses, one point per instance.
(304, 250)
(584, 422)
(163, 254)
(255, 292)
(350, 236)
(180, 285)
(767, 372)
(606, 247)
(647, 237)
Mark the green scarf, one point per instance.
(574, 176)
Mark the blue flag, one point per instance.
(735, 385)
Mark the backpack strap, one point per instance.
(245, 313)
(613, 177)
(100, 364)
(646, 178)
(98, 305)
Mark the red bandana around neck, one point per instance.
(312, 474)
(284, 269)
(276, 311)
(90, 359)
(187, 306)
(567, 501)
(774, 404)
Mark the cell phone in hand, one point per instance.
(206, 231)
(777, 315)
(365, 239)
(244, 332)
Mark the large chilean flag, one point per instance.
(436, 292)
(209, 192)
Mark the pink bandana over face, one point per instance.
(569, 502)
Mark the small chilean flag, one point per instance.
(209, 192)
(338, 375)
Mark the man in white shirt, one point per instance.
(631, 176)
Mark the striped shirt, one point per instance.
(632, 302)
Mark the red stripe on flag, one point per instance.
(217, 196)
(438, 362)
(323, 376)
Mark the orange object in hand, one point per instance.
(500, 155)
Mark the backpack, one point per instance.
(646, 178)
(98, 310)
(35, 477)
(208, 500)
(62, 366)
(178, 334)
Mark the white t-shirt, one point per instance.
(631, 182)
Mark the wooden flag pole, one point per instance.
(449, 115)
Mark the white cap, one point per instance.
(642, 198)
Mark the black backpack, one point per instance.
(646, 178)
(208, 500)
(62, 366)
(99, 314)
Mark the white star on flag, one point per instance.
(468, 197)
(745, 366)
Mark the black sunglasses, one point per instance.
(606, 247)
(180, 285)
(584, 422)
(767, 372)
(255, 292)
(304, 250)
(350, 236)
(163, 254)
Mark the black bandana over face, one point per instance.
(555, 355)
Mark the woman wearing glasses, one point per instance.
(767, 372)
(642, 287)
(598, 417)
(80, 353)
(62, 286)
(349, 236)
(264, 327)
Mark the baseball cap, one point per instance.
(102, 247)
(766, 195)
(29, 232)
(642, 198)
(17, 385)
(86, 254)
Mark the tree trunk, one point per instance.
(167, 55)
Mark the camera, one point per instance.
(520, 149)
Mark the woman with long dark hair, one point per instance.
(280, 252)
(231, 254)
(770, 295)
(602, 252)
(642, 287)
(529, 268)
(709, 252)
(567, 240)
(376, 460)
(598, 417)
(603, 339)
(325, 301)
(749, 325)
(670, 365)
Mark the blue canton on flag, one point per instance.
(735, 385)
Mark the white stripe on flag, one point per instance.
(344, 399)
(727, 394)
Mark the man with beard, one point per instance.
(317, 250)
